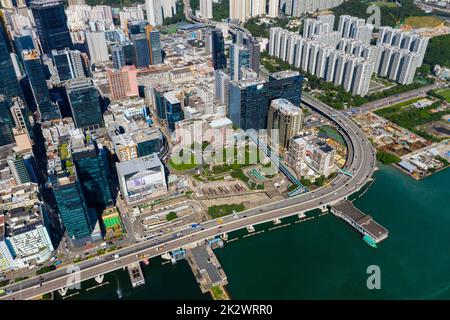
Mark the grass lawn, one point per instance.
(445, 93)
(225, 209)
(184, 166)
(218, 293)
(423, 22)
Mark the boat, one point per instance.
(370, 241)
(146, 262)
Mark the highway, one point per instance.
(360, 162)
(401, 97)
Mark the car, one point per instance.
(116, 256)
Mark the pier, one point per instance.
(136, 274)
(206, 268)
(363, 223)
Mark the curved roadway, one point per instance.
(360, 162)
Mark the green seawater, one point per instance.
(324, 258)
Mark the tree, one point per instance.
(387, 157)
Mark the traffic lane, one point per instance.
(293, 199)
(123, 261)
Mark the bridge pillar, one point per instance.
(324, 209)
(276, 221)
(250, 228)
(224, 236)
(301, 215)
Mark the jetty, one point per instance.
(362, 222)
(206, 267)
(136, 274)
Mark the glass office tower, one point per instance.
(6, 123)
(9, 84)
(72, 207)
(84, 103)
(36, 75)
(92, 173)
(219, 60)
(51, 24)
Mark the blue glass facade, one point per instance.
(249, 105)
(24, 42)
(92, 174)
(148, 147)
(84, 103)
(174, 112)
(160, 104)
(63, 65)
(249, 101)
(155, 48)
(118, 56)
(219, 60)
(239, 58)
(51, 24)
(72, 208)
(6, 123)
(9, 85)
(141, 51)
(36, 76)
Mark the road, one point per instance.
(360, 162)
(401, 97)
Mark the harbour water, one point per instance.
(324, 258)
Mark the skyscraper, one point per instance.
(9, 85)
(255, 55)
(154, 12)
(286, 118)
(141, 51)
(154, 45)
(118, 56)
(36, 75)
(84, 103)
(98, 51)
(273, 8)
(174, 112)
(219, 60)
(128, 52)
(222, 87)
(206, 9)
(51, 24)
(250, 99)
(6, 123)
(68, 63)
(249, 104)
(239, 58)
(92, 174)
(23, 42)
(72, 207)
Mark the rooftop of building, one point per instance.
(285, 106)
(142, 164)
(284, 74)
(22, 219)
(203, 262)
(171, 96)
